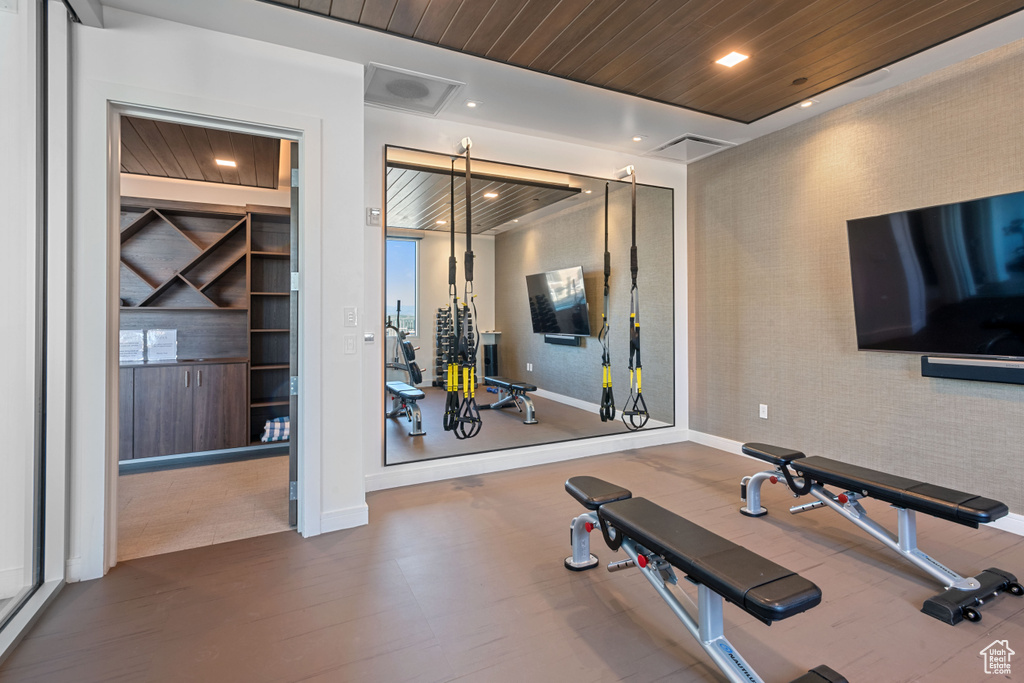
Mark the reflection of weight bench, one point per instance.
(512, 392)
(403, 402)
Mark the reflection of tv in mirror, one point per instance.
(945, 279)
(558, 304)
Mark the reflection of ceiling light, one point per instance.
(441, 222)
(473, 103)
(638, 138)
(491, 195)
(807, 103)
(225, 162)
(587, 191)
(731, 59)
(515, 220)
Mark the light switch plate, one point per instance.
(351, 320)
(372, 216)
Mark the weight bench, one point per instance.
(512, 392)
(403, 402)
(962, 596)
(656, 540)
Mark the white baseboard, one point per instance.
(346, 518)
(496, 461)
(584, 405)
(1013, 522)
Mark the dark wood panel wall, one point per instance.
(666, 50)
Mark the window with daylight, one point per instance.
(400, 284)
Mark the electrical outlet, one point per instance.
(529, 367)
(762, 411)
(350, 343)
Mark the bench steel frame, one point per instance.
(948, 607)
(406, 407)
(707, 626)
(508, 397)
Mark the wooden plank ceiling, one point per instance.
(665, 50)
(171, 150)
(419, 197)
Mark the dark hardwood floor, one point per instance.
(463, 579)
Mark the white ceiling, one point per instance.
(524, 101)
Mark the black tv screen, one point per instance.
(942, 280)
(558, 304)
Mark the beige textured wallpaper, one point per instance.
(575, 237)
(771, 308)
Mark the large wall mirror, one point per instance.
(525, 222)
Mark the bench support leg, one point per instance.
(750, 493)
(905, 544)
(709, 632)
(417, 419)
(530, 418)
(507, 398)
(579, 537)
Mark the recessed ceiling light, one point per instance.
(807, 103)
(731, 59)
(225, 162)
(638, 138)
(472, 104)
(441, 222)
(515, 220)
(491, 195)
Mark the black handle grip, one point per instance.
(451, 270)
(607, 264)
(634, 268)
(469, 266)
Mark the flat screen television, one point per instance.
(558, 304)
(941, 280)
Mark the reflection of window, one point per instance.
(400, 283)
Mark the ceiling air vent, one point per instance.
(689, 148)
(394, 88)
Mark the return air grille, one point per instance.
(409, 91)
(688, 148)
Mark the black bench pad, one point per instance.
(821, 674)
(773, 454)
(406, 391)
(955, 506)
(592, 492)
(510, 384)
(764, 589)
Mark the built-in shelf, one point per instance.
(266, 403)
(270, 293)
(282, 366)
(271, 254)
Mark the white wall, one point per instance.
(154, 63)
(386, 127)
(17, 280)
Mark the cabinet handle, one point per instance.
(199, 378)
(187, 373)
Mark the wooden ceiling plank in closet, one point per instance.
(150, 134)
(220, 143)
(175, 138)
(129, 164)
(268, 158)
(131, 139)
(245, 158)
(199, 143)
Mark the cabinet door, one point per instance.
(163, 410)
(221, 402)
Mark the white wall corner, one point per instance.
(346, 518)
(1012, 522)
(89, 12)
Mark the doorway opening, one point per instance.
(208, 334)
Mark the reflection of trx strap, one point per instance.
(607, 401)
(634, 414)
(468, 422)
(451, 400)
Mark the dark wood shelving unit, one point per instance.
(221, 277)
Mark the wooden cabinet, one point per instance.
(183, 408)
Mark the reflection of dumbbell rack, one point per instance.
(442, 335)
(443, 343)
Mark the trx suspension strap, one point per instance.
(451, 400)
(468, 423)
(607, 401)
(634, 414)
